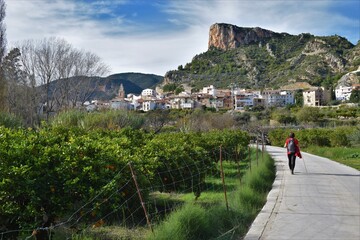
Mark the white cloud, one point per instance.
(125, 47)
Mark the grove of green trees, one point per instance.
(68, 176)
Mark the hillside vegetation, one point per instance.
(272, 62)
(108, 87)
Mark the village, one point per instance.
(234, 98)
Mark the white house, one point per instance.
(148, 93)
(343, 93)
(209, 90)
(244, 99)
(148, 105)
(277, 98)
(182, 101)
(134, 101)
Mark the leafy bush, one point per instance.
(324, 137)
(58, 172)
(71, 173)
(10, 121)
(176, 159)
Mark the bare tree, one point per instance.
(77, 74)
(60, 72)
(156, 120)
(3, 88)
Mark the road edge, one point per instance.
(261, 221)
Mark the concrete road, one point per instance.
(321, 201)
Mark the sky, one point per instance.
(155, 36)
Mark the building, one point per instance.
(119, 101)
(278, 98)
(148, 105)
(244, 100)
(148, 93)
(210, 90)
(342, 93)
(182, 101)
(316, 96)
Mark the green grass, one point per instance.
(196, 220)
(346, 156)
(208, 216)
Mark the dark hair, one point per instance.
(292, 135)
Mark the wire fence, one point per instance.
(142, 199)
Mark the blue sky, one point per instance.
(155, 36)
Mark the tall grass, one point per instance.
(10, 121)
(194, 221)
(346, 156)
(114, 119)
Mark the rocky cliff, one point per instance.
(226, 36)
(257, 58)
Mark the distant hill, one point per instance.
(101, 88)
(133, 83)
(258, 58)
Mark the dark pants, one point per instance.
(291, 158)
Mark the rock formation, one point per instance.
(226, 36)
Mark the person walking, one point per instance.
(293, 150)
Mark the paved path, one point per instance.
(321, 201)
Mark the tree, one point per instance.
(299, 100)
(21, 95)
(156, 120)
(355, 96)
(309, 115)
(170, 87)
(283, 116)
(60, 72)
(3, 87)
(179, 89)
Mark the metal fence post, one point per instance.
(140, 197)
(223, 179)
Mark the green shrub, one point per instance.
(70, 118)
(10, 121)
(323, 137)
(59, 171)
(110, 119)
(189, 222)
(340, 137)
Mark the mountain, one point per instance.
(133, 83)
(258, 58)
(102, 88)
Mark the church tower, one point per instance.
(121, 93)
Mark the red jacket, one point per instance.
(297, 148)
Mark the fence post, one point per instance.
(249, 149)
(140, 197)
(223, 179)
(238, 162)
(257, 152)
(263, 146)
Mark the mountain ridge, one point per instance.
(131, 81)
(259, 58)
(252, 58)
